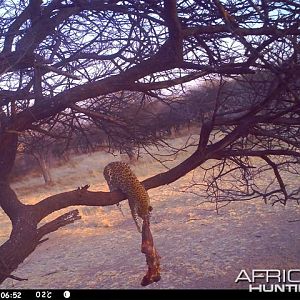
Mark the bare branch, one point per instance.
(63, 220)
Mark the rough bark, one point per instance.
(8, 148)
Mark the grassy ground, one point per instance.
(199, 248)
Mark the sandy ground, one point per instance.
(199, 248)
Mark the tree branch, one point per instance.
(277, 175)
(97, 115)
(257, 153)
(144, 87)
(63, 220)
(213, 29)
(57, 71)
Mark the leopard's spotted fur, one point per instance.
(119, 176)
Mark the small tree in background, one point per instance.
(39, 147)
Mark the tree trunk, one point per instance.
(24, 222)
(44, 167)
(15, 210)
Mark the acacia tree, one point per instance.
(62, 61)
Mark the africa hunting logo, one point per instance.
(271, 280)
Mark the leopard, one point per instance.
(120, 177)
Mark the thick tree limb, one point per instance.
(8, 151)
(84, 197)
